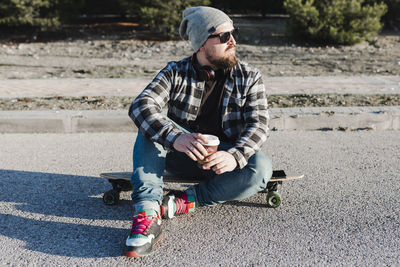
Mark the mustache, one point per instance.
(230, 47)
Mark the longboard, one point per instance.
(121, 181)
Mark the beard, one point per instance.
(226, 62)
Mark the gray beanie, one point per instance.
(200, 22)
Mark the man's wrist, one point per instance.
(239, 157)
(172, 139)
(176, 137)
(236, 161)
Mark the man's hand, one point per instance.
(220, 162)
(190, 145)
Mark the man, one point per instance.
(210, 92)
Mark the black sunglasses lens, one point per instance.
(235, 33)
(225, 37)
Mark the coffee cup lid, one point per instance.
(212, 140)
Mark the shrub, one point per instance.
(334, 21)
(27, 13)
(162, 16)
(392, 17)
(38, 13)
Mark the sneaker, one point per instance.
(176, 203)
(145, 233)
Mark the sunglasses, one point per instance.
(225, 36)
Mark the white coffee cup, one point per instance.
(211, 146)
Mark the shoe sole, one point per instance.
(133, 254)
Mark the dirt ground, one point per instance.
(123, 102)
(117, 50)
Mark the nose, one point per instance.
(232, 40)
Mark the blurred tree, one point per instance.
(104, 7)
(68, 10)
(262, 7)
(392, 17)
(334, 21)
(38, 13)
(162, 16)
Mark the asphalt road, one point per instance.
(344, 212)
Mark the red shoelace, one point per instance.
(182, 205)
(141, 224)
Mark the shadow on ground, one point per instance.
(64, 215)
(61, 214)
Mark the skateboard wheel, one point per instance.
(111, 197)
(273, 199)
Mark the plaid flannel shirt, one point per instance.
(244, 107)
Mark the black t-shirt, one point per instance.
(209, 120)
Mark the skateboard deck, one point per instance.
(277, 176)
(121, 181)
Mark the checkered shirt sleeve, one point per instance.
(253, 123)
(146, 110)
